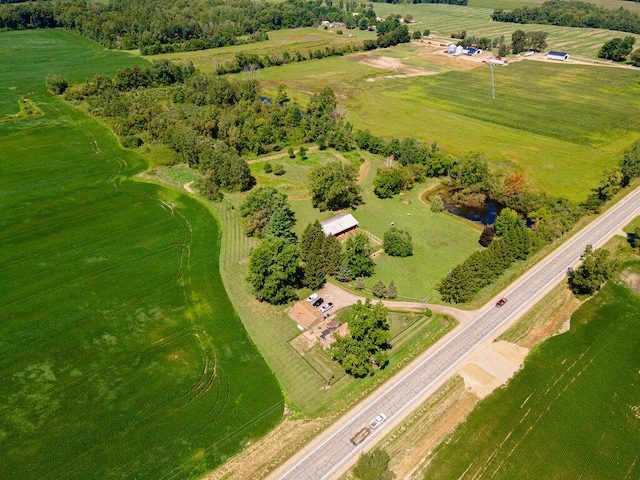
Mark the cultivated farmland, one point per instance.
(120, 352)
(571, 413)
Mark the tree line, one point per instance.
(161, 26)
(390, 32)
(516, 242)
(450, 2)
(572, 14)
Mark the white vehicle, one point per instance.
(312, 297)
(378, 420)
(325, 307)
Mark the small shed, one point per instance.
(557, 56)
(340, 224)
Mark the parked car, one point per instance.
(329, 306)
(501, 302)
(378, 420)
(318, 302)
(324, 307)
(312, 297)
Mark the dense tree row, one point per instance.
(244, 61)
(572, 14)
(450, 2)
(551, 217)
(158, 26)
(482, 267)
(367, 341)
(614, 180)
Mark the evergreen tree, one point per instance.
(313, 272)
(379, 289)
(281, 224)
(359, 284)
(391, 290)
(331, 254)
(344, 273)
(311, 239)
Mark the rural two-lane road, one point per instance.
(332, 451)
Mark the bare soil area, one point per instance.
(551, 320)
(631, 280)
(492, 366)
(393, 64)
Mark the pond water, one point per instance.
(485, 212)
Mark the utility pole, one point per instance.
(493, 86)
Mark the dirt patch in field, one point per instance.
(364, 171)
(393, 64)
(631, 279)
(262, 457)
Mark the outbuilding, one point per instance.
(341, 224)
(557, 56)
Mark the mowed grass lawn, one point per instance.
(572, 412)
(120, 353)
(440, 241)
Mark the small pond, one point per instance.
(484, 212)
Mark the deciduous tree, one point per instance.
(356, 255)
(397, 243)
(274, 270)
(333, 186)
(596, 268)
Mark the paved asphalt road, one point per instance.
(324, 458)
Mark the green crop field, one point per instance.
(443, 20)
(120, 353)
(572, 412)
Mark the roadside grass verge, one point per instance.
(552, 407)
